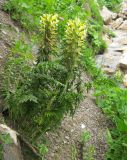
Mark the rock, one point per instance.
(123, 26)
(65, 142)
(124, 7)
(109, 61)
(4, 32)
(55, 148)
(107, 39)
(122, 48)
(121, 15)
(125, 80)
(114, 16)
(120, 33)
(114, 45)
(83, 126)
(109, 71)
(115, 54)
(125, 52)
(117, 23)
(121, 41)
(11, 150)
(52, 155)
(106, 15)
(123, 61)
(67, 137)
(72, 130)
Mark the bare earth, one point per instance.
(87, 118)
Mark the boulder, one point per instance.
(123, 26)
(123, 61)
(11, 148)
(106, 15)
(109, 62)
(117, 23)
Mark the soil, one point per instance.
(87, 118)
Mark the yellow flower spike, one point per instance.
(48, 28)
(74, 40)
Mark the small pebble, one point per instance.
(83, 126)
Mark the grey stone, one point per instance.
(106, 15)
(117, 23)
(122, 40)
(109, 71)
(123, 26)
(11, 151)
(114, 16)
(109, 62)
(123, 61)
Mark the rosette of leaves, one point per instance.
(48, 29)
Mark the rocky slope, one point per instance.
(115, 57)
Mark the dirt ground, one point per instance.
(87, 118)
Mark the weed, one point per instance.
(88, 151)
(42, 150)
(73, 152)
(85, 136)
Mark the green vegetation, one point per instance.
(82, 150)
(111, 4)
(112, 100)
(50, 88)
(74, 152)
(29, 12)
(88, 151)
(47, 86)
(85, 136)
